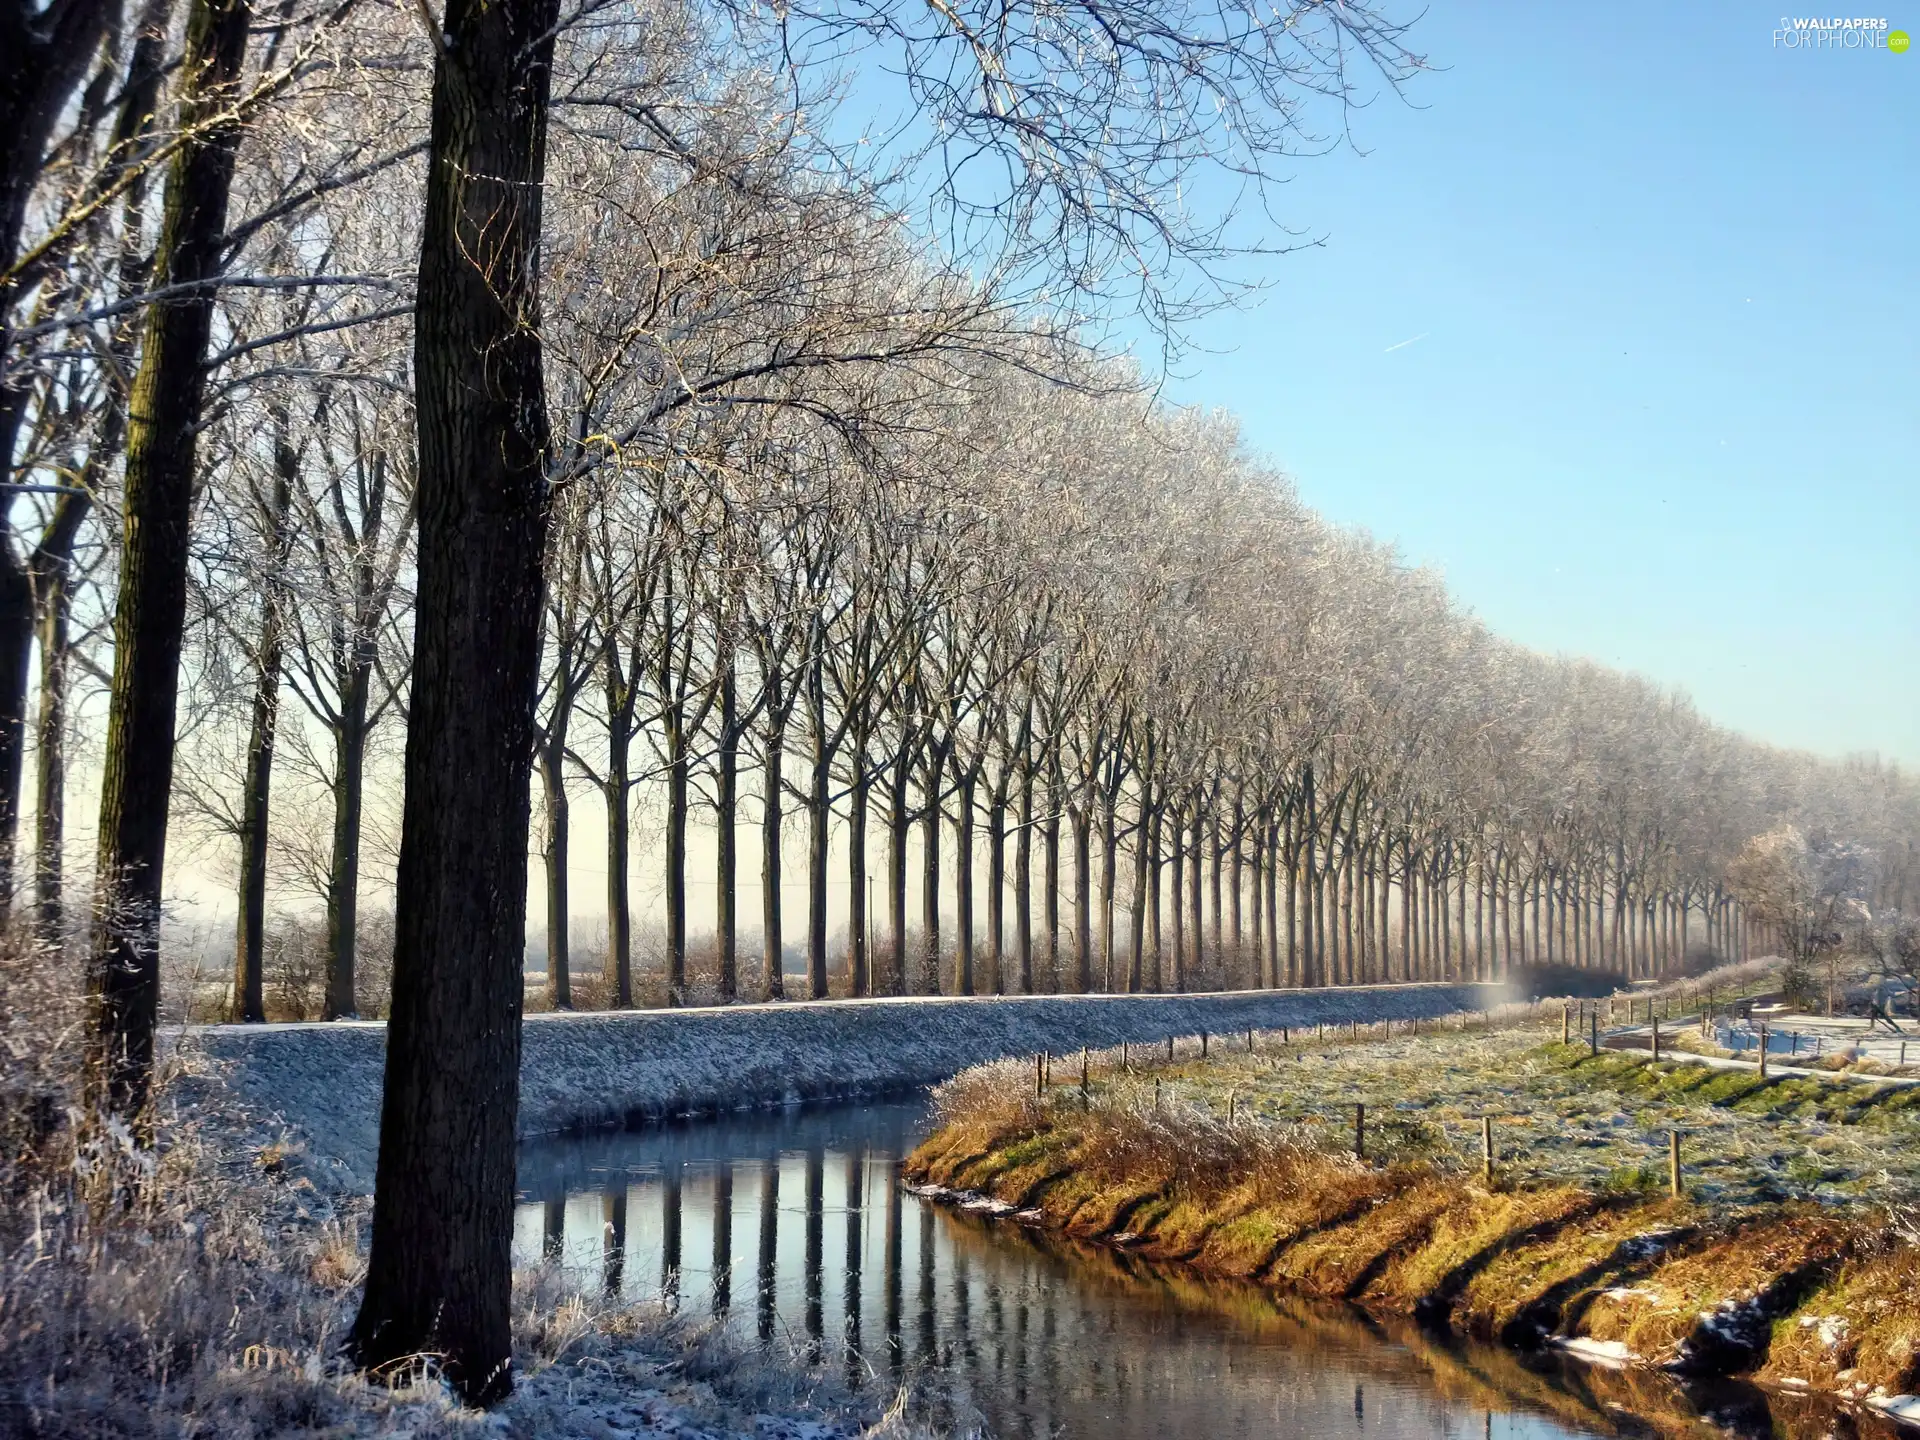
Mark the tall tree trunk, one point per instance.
(1156, 936)
(997, 882)
(859, 977)
(54, 602)
(150, 613)
(1023, 883)
(963, 882)
(554, 854)
(16, 653)
(899, 828)
(819, 819)
(440, 1271)
(1082, 825)
(617, 971)
(1137, 911)
(343, 865)
(1177, 864)
(726, 849)
(1196, 880)
(250, 922)
(44, 52)
(930, 874)
(1108, 864)
(1216, 852)
(1050, 881)
(773, 983)
(678, 764)
(1257, 865)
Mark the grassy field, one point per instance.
(1788, 1257)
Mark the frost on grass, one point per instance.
(200, 1286)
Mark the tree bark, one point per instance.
(899, 825)
(726, 818)
(250, 925)
(554, 852)
(676, 855)
(1082, 825)
(997, 883)
(772, 961)
(439, 1274)
(51, 568)
(1050, 881)
(617, 967)
(150, 613)
(44, 52)
(1023, 883)
(343, 870)
(930, 876)
(963, 978)
(859, 981)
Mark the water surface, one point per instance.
(790, 1228)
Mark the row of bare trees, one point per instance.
(568, 384)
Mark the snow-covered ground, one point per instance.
(581, 1070)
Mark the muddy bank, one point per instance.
(586, 1070)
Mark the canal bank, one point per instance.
(1490, 1184)
(586, 1071)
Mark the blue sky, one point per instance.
(1663, 407)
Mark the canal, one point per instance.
(790, 1229)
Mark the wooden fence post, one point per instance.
(1673, 1163)
(1360, 1131)
(1039, 1076)
(1656, 1038)
(1486, 1146)
(1203, 1044)
(1566, 1023)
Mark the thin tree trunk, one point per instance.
(678, 764)
(1050, 834)
(250, 928)
(819, 821)
(1177, 863)
(343, 868)
(1137, 910)
(617, 973)
(899, 825)
(553, 790)
(997, 882)
(772, 961)
(726, 821)
(1023, 883)
(963, 884)
(1216, 847)
(1082, 826)
(930, 878)
(1155, 878)
(1196, 883)
(859, 979)
(53, 587)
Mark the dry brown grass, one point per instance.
(1676, 1283)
